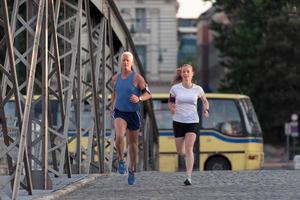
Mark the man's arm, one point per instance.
(146, 94)
(205, 105)
(142, 85)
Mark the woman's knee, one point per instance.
(189, 151)
(180, 152)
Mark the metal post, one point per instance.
(287, 148)
(104, 99)
(45, 99)
(109, 80)
(294, 146)
(79, 93)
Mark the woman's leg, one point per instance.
(189, 141)
(179, 141)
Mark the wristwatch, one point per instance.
(140, 98)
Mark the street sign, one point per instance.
(294, 129)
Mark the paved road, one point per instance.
(209, 185)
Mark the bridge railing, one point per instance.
(62, 51)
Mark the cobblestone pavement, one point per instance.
(208, 185)
(61, 186)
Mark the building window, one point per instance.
(140, 24)
(141, 50)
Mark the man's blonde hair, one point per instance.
(127, 53)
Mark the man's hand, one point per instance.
(134, 99)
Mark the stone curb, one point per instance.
(276, 165)
(69, 188)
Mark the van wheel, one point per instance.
(217, 163)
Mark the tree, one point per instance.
(260, 49)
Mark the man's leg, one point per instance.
(120, 128)
(133, 141)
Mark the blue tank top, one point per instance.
(124, 89)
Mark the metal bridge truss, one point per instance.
(64, 52)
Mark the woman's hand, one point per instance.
(206, 113)
(172, 107)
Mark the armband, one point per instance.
(146, 89)
(172, 99)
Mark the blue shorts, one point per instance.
(133, 119)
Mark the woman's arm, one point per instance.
(171, 103)
(205, 106)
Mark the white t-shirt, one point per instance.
(186, 102)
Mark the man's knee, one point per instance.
(119, 138)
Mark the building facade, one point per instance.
(187, 41)
(153, 26)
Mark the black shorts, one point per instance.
(133, 119)
(180, 129)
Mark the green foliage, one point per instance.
(260, 49)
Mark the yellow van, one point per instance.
(230, 139)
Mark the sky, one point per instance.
(192, 8)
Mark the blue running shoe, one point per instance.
(131, 178)
(121, 167)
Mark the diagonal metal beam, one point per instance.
(29, 93)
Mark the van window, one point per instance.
(224, 116)
(163, 115)
(252, 124)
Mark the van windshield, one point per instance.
(251, 121)
(163, 115)
(225, 116)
